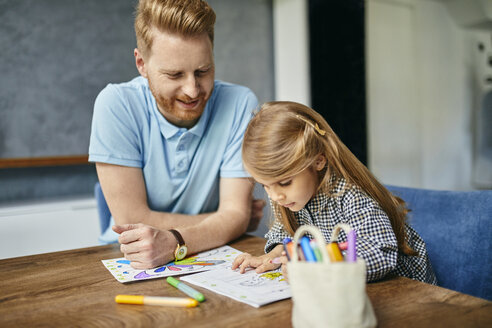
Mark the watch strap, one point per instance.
(178, 237)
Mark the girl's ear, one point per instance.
(320, 162)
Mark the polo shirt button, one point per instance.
(180, 164)
(181, 148)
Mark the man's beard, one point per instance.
(171, 110)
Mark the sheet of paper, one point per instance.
(255, 289)
(223, 256)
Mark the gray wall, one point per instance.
(58, 54)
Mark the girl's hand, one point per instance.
(283, 259)
(261, 263)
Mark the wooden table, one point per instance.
(74, 289)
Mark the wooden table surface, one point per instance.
(74, 289)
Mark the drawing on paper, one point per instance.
(252, 288)
(120, 268)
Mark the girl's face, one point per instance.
(296, 191)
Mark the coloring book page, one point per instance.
(255, 289)
(120, 268)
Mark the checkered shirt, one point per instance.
(376, 241)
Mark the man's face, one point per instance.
(181, 74)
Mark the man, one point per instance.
(167, 144)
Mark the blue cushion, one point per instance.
(457, 229)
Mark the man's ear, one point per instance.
(140, 63)
(320, 162)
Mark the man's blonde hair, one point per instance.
(285, 138)
(184, 17)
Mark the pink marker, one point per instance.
(343, 246)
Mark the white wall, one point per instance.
(48, 227)
(420, 94)
(291, 49)
(292, 78)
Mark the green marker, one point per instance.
(186, 289)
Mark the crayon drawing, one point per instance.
(262, 279)
(255, 289)
(120, 267)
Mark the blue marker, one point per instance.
(286, 242)
(307, 250)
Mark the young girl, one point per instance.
(312, 178)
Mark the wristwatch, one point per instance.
(181, 249)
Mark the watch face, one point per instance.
(181, 252)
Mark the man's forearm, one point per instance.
(215, 230)
(163, 220)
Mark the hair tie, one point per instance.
(314, 125)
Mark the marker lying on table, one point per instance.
(186, 289)
(156, 300)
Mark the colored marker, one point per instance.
(300, 253)
(343, 246)
(290, 250)
(186, 289)
(287, 247)
(351, 248)
(334, 252)
(156, 300)
(307, 250)
(316, 251)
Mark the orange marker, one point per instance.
(288, 247)
(334, 252)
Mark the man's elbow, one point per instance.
(130, 217)
(241, 222)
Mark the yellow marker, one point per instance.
(156, 300)
(334, 252)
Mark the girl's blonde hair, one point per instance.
(285, 138)
(184, 17)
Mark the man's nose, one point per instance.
(191, 87)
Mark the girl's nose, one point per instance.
(277, 196)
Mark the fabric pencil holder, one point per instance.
(328, 294)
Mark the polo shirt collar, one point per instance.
(169, 130)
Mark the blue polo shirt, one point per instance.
(181, 167)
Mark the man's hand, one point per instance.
(145, 246)
(256, 214)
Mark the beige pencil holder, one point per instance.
(328, 294)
